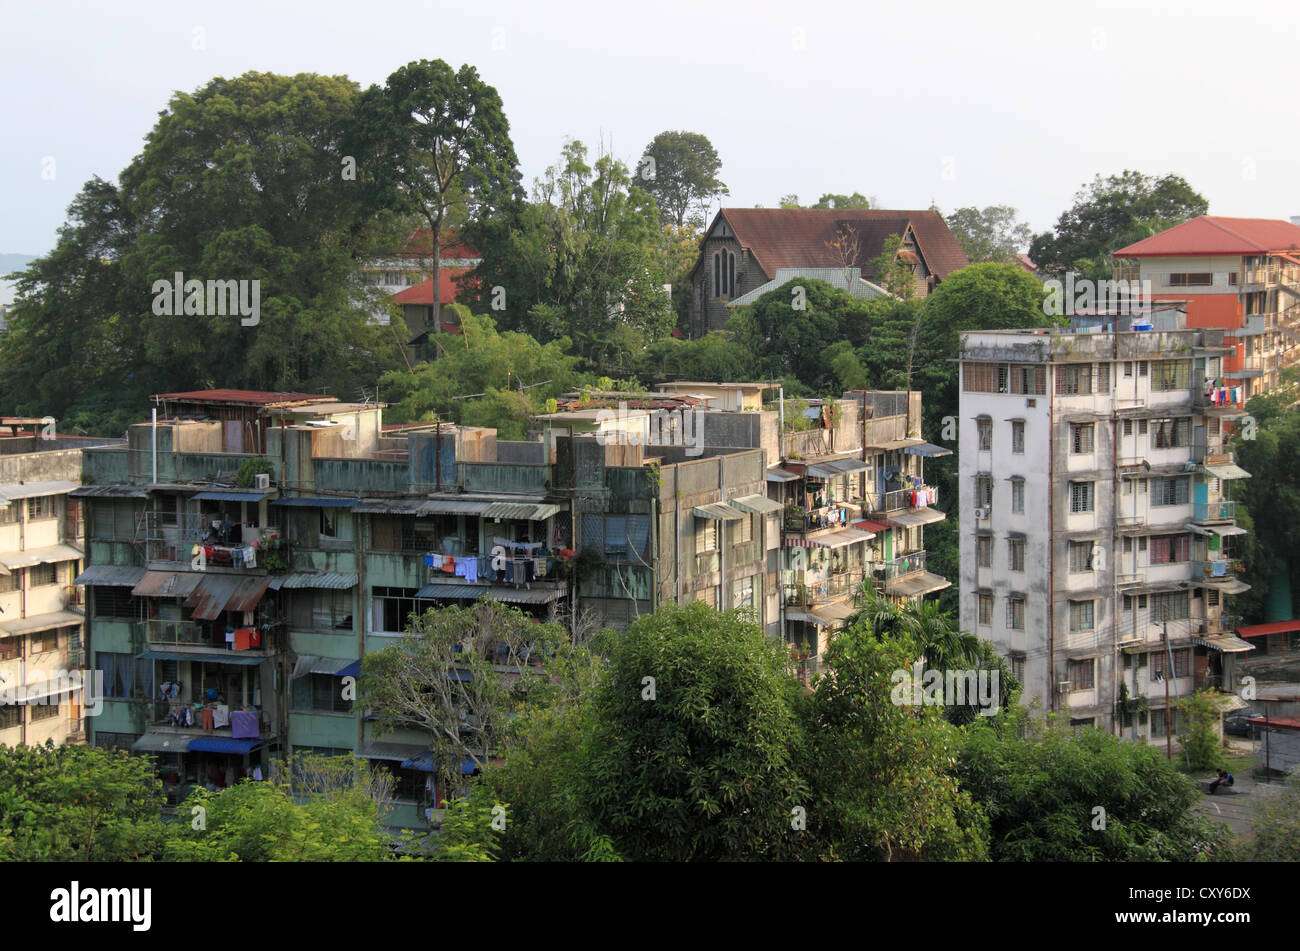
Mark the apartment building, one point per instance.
(1097, 522)
(41, 619)
(1239, 275)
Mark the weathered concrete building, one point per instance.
(1096, 529)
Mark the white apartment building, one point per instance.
(1096, 530)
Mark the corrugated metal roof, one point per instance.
(40, 556)
(229, 496)
(161, 743)
(718, 511)
(454, 507)
(167, 584)
(503, 593)
(781, 475)
(211, 657)
(111, 576)
(377, 749)
(389, 507)
(30, 490)
(836, 467)
(248, 594)
(755, 504)
(331, 580)
(532, 511)
(253, 397)
(924, 582)
(212, 594)
(307, 501)
(40, 622)
(110, 492)
(311, 664)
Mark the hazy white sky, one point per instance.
(959, 103)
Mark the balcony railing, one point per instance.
(900, 499)
(798, 520)
(1214, 512)
(836, 584)
(905, 565)
(1224, 568)
(172, 632)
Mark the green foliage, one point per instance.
(1109, 213)
(841, 202)
(78, 804)
(892, 272)
(704, 770)
(685, 177)
(1041, 792)
(715, 358)
(251, 468)
(994, 233)
(467, 834)
(1198, 737)
(1277, 830)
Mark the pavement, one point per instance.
(1239, 807)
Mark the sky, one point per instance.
(956, 104)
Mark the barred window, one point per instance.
(41, 507)
(1081, 497)
(984, 429)
(985, 603)
(984, 492)
(1081, 437)
(45, 711)
(1029, 381)
(40, 575)
(1018, 436)
(1082, 673)
(1171, 491)
(1169, 549)
(322, 692)
(1016, 612)
(706, 535)
(1074, 380)
(1171, 433)
(1082, 615)
(1016, 553)
(1081, 555)
(114, 602)
(1017, 495)
(11, 715)
(1170, 606)
(1171, 374)
(984, 550)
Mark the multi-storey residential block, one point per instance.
(1240, 275)
(1097, 527)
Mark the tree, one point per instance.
(436, 144)
(881, 773)
(278, 820)
(994, 233)
(840, 202)
(691, 753)
(789, 201)
(892, 272)
(680, 170)
(1056, 795)
(78, 804)
(1277, 831)
(1109, 213)
(459, 678)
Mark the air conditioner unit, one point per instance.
(262, 481)
(1063, 686)
(981, 514)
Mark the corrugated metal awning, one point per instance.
(377, 749)
(50, 554)
(329, 580)
(717, 511)
(1227, 471)
(39, 622)
(755, 504)
(1220, 530)
(927, 450)
(924, 582)
(248, 594)
(835, 613)
(226, 657)
(109, 492)
(30, 490)
(388, 507)
(806, 617)
(110, 576)
(311, 664)
(925, 516)
(781, 475)
(1233, 586)
(454, 507)
(534, 512)
(1228, 643)
(892, 444)
(315, 502)
(230, 496)
(167, 584)
(836, 467)
(209, 599)
(503, 593)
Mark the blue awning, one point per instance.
(305, 501)
(228, 657)
(425, 763)
(929, 450)
(351, 670)
(231, 496)
(223, 744)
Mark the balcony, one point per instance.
(836, 584)
(189, 633)
(797, 519)
(1206, 512)
(204, 639)
(907, 577)
(1217, 569)
(159, 719)
(901, 499)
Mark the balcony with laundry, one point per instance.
(907, 577)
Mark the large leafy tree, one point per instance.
(1109, 213)
(993, 233)
(78, 804)
(583, 260)
(434, 143)
(680, 170)
(1055, 795)
(692, 753)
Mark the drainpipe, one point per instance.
(154, 437)
(1051, 546)
(677, 530)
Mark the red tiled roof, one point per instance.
(1027, 262)
(867, 525)
(1285, 723)
(1211, 234)
(419, 243)
(799, 237)
(422, 293)
(254, 397)
(1273, 627)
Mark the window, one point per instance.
(1082, 615)
(1081, 437)
(1169, 549)
(1029, 381)
(1183, 662)
(321, 692)
(1212, 598)
(9, 513)
(744, 530)
(11, 648)
(39, 575)
(984, 550)
(1189, 279)
(1003, 378)
(744, 594)
(1171, 491)
(320, 610)
(1102, 381)
(1128, 427)
(1018, 667)
(329, 522)
(621, 537)
(41, 507)
(1081, 497)
(1082, 674)
(1016, 553)
(1171, 374)
(393, 606)
(985, 604)
(1157, 723)
(984, 427)
(1017, 495)
(1081, 555)
(1142, 368)
(45, 711)
(1128, 368)
(1170, 606)
(11, 582)
(1074, 380)
(387, 533)
(43, 641)
(114, 602)
(706, 535)
(1171, 433)
(1018, 436)
(1016, 612)
(11, 715)
(984, 492)
(724, 274)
